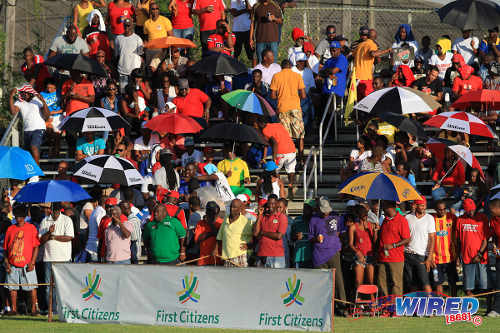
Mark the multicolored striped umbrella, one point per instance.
(248, 101)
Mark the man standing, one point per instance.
(322, 51)
(267, 66)
(193, 102)
(337, 65)
(70, 43)
(56, 234)
(284, 151)
(495, 230)
(445, 249)
(164, 238)
(394, 235)
(467, 46)
(234, 237)
(472, 235)
(173, 209)
(270, 228)
(205, 234)
(266, 19)
(364, 56)
(308, 77)
(135, 232)
(78, 93)
(209, 12)
(419, 253)
(128, 50)
(21, 247)
(34, 112)
(94, 221)
(324, 233)
(240, 10)
(288, 88)
(300, 236)
(157, 26)
(117, 236)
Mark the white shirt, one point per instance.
(313, 63)
(196, 157)
(32, 114)
(55, 250)
(222, 187)
(268, 72)
(241, 22)
(307, 77)
(419, 232)
(442, 65)
(84, 222)
(140, 145)
(292, 52)
(129, 50)
(358, 158)
(463, 47)
(94, 220)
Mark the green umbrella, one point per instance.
(248, 101)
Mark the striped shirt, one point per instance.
(445, 239)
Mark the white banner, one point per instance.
(191, 296)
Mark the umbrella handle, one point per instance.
(449, 170)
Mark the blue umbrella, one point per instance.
(52, 191)
(16, 163)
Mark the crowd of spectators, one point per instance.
(197, 204)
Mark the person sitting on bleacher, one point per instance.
(89, 145)
(448, 183)
(236, 171)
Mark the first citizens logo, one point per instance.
(189, 289)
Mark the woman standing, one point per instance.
(82, 10)
(118, 11)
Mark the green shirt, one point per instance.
(162, 238)
(303, 250)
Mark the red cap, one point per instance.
(161, 192)
(469, 205)
(422, 201)
(262, 202)
(111, 201)
(297, 33)
(208, 151)
(308, 47)
(173, 194)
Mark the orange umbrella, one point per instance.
(163, 43)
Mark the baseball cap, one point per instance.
(262, 202)
(188, 141)
(469, 205)
(297, 33)
(422, 201)
(340, 37)
(301, 56)
(173, 194)
(310, 203)
(243, 197)
(111, 202)
(335, 45)
(270, 166)
(208, 151)
(324, 205)
(352, 203)
(212, 205)
(210, 168)
(183, 84)
(364, 31)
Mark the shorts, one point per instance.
(365, 88)
(54, 122)
(446, 272)
(289, 161)
(272, 262)
(293, 123)
(473, 272)
(33, 138)
(369, 260)
(20, 275)
(415, 272)
(240, 261)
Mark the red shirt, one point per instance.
(183, 20)
(269, 247)
(117, 15)
(19, 244)
(208, 21)
(98, 41)
(495, 229)
(470, 234)
(461, 86)
(207, 245)
(216, 40)
(192, 104)
(393, 231)
(363, 239)
(84, 88)
(172, 210)
(454, 178)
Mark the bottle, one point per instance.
(435, 275)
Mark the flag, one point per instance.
(351, 98)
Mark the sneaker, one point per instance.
(493, 314)
(11, 313)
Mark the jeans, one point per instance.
(203, 40)
(48, 273)
(120, 262)
(33, 138)
(273, 46)
(133, 252)
(275, 262)
(187, 33)
(307, 111)
(441, 193)
(470, 271)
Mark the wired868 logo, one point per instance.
(92, 284)
(293, 287)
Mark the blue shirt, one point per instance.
(339, 62)
(53, 100)
(328, 227)
(483, 46)
(90, 149)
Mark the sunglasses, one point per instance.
(119, 150)
(155, 8)
(112, 89)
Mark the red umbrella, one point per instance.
(173, 123)
(491, 98)
(461, 122)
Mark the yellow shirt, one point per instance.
(157, 29)
(363, 61)
(384, 128)
(82, 16)
(287, 84)
(142, 12)
(239, 170)
(233, 234)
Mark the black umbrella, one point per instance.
(232, 132)
(403, 123)
(76, 62)
(471, 14)
(219, 64)
(108, 169)
(93, 120)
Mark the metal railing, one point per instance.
(313, 153)
(11, 137)
(322, 138)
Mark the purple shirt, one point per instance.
(328, 227)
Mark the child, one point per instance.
(53, 99)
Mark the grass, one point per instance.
(22, 324)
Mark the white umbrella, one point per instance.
(108, 169)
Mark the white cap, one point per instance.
(301, 56)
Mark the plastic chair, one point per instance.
(361, 304)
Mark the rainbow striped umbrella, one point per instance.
(250, 102)
(380, 186)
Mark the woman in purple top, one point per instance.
(324, 236)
